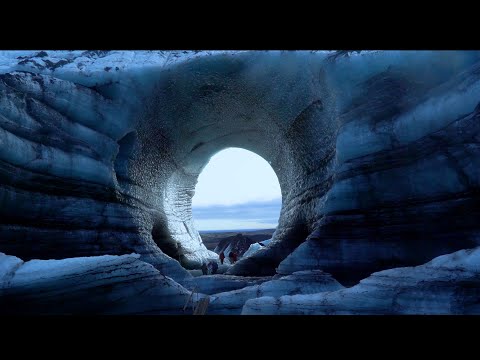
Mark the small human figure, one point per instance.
(233, 257)
(213, 267)
(204, 269)
(222, 257)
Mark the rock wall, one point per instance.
(377, 154)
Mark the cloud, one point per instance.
(213, 225)
(236, 176)
(253, 215)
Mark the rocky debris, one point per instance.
(88, 285)
(302, 282)
(449, 284)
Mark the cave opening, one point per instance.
(236, 204)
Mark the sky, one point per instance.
(237, 190)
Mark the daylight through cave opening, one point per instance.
(237, 202)
(231, 190)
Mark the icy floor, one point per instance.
(222, 269)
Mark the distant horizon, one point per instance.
(235, 230)
(239, 190)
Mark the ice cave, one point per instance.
(377, 154)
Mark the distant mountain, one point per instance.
(212, 239)
(238, 244)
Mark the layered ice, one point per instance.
(88, 285)
(377, 154)
(448, 284)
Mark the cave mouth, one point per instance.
(233, 191)
(236, 190)
(236, 204)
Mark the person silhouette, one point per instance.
(204, 268)
(233, 257)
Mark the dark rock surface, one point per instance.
(212, 239)
(238, 244)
